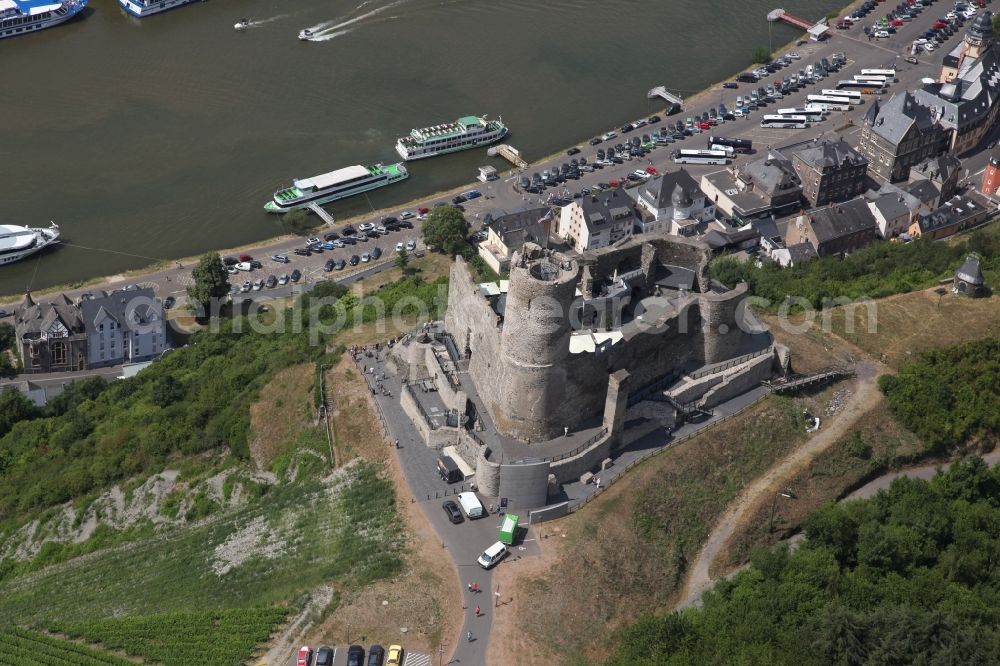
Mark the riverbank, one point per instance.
(273, 244)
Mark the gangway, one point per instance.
(509, 153)
(674, 103)
(791, 19)
(801, 382)
(323, 215)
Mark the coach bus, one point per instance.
(862, 87)
(686, 156)
(778, 121)
(887, 73)
(813, 113)
(853, 95)
(738, 145)
(830, 103)
(881, 81)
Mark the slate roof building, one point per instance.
(123, 326)
(836, 229)
(829, 170)
(764, 187)
(969, 278)
(898, 135)
(964, 98)
(957, 214)
(598, 220)
(894, 212)
(673, 203)
(942, 172)
(508, 232)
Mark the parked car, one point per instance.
(246, 257)
(272, 282)
(280, 258)
(304, 657)
(376, 654)
(365, 226)
(247, 286)
(328, 266)
(324, 656)
(492, 555)
(395, 656)
(296, 275)
(355, 260)
(573, 151)
(355, 655)
(376, 252)
(168, 303)
(411, 245)
(453, 512)
(283, 278)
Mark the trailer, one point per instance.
(508, 529)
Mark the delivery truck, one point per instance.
(508, 529)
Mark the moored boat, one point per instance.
(17, 242)
(466, 132)
(18, 17)
(143, 8)
(334, 185)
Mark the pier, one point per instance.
(323, 215)
(509, 153)
(782, 15)
(674, 103)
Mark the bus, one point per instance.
(728, 150)
(887, 73)
(814, 112)
(685, 156)
(738, 145)
(862, 87)
(830, 103)
(853, 95)
(881, 81)
(784, 122)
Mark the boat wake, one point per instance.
(328, 30)
(261, 22)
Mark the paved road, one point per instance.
(871, 488)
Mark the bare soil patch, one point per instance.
(283, 410)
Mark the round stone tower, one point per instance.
(531, 398)
(721, 318)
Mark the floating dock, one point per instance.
(509, 153)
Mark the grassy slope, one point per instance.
(632, 545)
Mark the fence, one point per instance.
(730, 363)
(582, 447)
(604, 486)
(646, 391)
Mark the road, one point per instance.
(871, 488)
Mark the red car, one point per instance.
(612, 183)
(652, 171)
(703, 125)
(423, 211)
(937, 25)
(246, 257)
(305, 656)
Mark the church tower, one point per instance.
(980, 35)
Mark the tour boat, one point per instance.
(18, 17)
(335, 185)
(20, 242)
(466, 132)
(143, 8)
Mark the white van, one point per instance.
(471, 505)
(492, 555)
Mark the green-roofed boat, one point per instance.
(464, 133)
(335, 185)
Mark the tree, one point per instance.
(402, 260)
(445, 230)
(996, 23)
(8, 337)
(15, 407)
(761, 54)
(166, 391)
(298, 222)
(210, 281)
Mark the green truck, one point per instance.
(508, 529)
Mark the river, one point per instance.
(162, 138)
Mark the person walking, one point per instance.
(477, 611)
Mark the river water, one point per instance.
(162, 138)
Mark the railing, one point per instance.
(562, 456)
(423, 412)
(730, 363)
(476, 438)
(605, 485)
(646, 391)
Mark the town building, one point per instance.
(121, 327)
(942, 173)
(969, 278)
(508, 232)
(991, 176)
(764, 187)
(830, 171)
(899, 135)
(957, 214)
(793, 255)
(835, 230)
(598, 220)
(894, 210)
(964, 98)
(672, 203)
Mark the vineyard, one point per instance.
(19, 647)
(179, 639)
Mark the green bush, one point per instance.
(761, 54)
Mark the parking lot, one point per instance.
(340, 656)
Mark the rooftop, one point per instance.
(842, 220)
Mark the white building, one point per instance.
(673, 203)
(597, 220)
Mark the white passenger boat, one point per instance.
(335, 185)
(466, 132)
(18, 17)
(143, 8)
(19, 242)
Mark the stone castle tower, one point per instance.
(534, 344)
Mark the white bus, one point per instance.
(853, 95)
(888, 73)
(686, 156)
(881, 81)
(830, 103)
(863, 87)
(784, 122)
(728, 150)
(813, 113)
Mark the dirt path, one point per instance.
(763, 488)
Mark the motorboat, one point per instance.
(242, 24)
(306, 34)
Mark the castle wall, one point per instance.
(722, 336)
